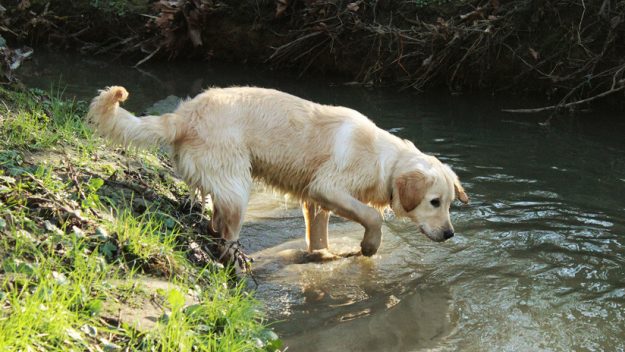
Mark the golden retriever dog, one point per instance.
(332, 158)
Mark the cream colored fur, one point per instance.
(332, 158)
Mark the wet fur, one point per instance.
(331, 158)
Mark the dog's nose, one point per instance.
(447, 234)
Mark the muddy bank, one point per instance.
(567, 50)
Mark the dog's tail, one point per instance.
(120, 126)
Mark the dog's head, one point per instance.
(424, 192)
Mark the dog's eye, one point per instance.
(435, 202)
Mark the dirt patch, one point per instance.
(140, 303)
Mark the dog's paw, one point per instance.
(368, 250)
(232, 253)
(317, 256)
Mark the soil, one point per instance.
(143, 309)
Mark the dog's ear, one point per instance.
(460, 193)
(411, 188)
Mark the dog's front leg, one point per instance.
(316, 226)
(345, 205)
(227, 220)
(229, 205)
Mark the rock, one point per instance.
(50, 227)
(164, 106)
(89, 330)
(101, 234)
(25, 236)
(78, 232)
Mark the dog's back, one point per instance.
(290, 143)
(289, 140)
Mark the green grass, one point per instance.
(77, 241)
(49, 299)
(28, 122)
(224, 320)
(146, 241)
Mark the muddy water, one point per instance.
(538, 262)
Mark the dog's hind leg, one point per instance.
(316, 226)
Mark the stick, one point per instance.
(147, 57)
(282, 47)
(557, 106)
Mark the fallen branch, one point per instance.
(567, 105)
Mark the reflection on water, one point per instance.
(538, 262)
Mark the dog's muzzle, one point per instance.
(447, 234)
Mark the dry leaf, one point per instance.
(534, 53)
(353, 6)
(427, 61)
(281, 6)
(23, 5)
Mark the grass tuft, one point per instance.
(144, 241)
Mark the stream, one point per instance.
(538, 260)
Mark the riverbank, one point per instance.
(97, 252)
(570, 52)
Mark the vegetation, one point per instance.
(570, 51)
(96, 253)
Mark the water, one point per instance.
(538, 262)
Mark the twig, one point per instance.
(560, 106)
(579, 30)
(530, 66)
(71, 212)
(74, 35)
(281, 48)
(147, 57)
(74, 178)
